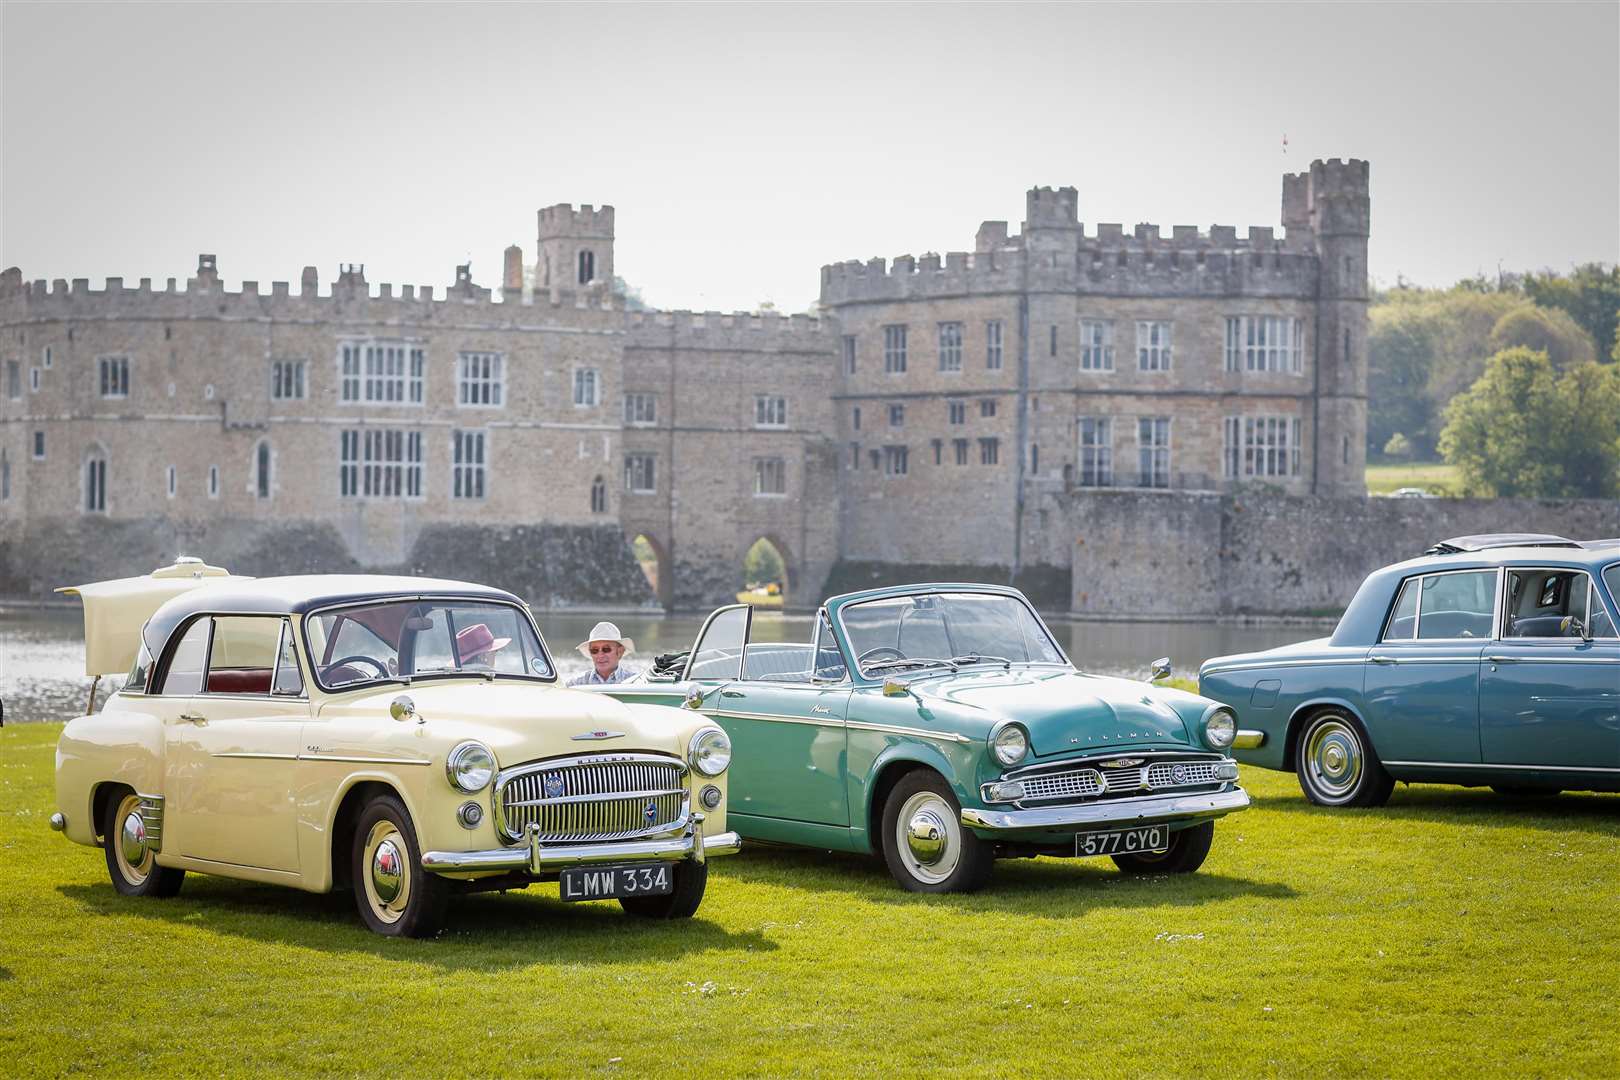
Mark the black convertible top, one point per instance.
(299, 596)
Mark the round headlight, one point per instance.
(1220, 728)
(470, 766)
(1009, 743)
(710, 752)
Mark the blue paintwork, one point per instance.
(1446, 711)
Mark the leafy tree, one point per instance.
(763, 565)
(1525, 430)
(1548, 330)
(1591, 296)
(1398, 446)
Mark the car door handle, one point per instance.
(1382, 659)
(731, 693)
(1501, 659)
(193, 718)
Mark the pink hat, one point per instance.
(476, 640)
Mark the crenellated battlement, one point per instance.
(754, 330)
(562, 219)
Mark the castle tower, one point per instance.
(1333, 203)
(576, 247)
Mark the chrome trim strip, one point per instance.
(887, 729)
(1248, 739)
(1257, 665)
(534, 858)
(776, 718)
(1119, 811)
(363, 760)
(1552, 659)
(151, 811)
(249, 754)
(1488, 765)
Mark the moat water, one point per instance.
(42, 651)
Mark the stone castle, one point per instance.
(936, 412)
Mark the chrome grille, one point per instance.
(1064, 785)
(598, 798)
(1127, 779)
(1163, 773)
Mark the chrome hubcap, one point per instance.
(386, 871)
(133, 854)
(1335, 759)
(132, 837)
(928, 838)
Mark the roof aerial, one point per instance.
(1487, 541)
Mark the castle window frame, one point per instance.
(14, 380)
(854, 456)
(45, 357)
(894, 349)
(33, 380)
(1153, 344)
(855, 418)
(1265, 343)
(39, 446)
(379, 463)
(288, 380)
(1096, 345)
(5, 475)
(468, 463)
(849, 354)
(993, 345)
(587, 266)
(987, 408)
(640, 409)
(770, 478)
(1096, 435)
(950, 346)
(599, 502)
(480, 380)
(770, 411)
(956, 412)
(1153, 451)
(114, 376)
(897, 415)
(939, 451)
(959, 448)
(263, 469)
(172, 481)
(641, 474)
(213, 481)
(95, 481)
(381, 372)
(587, 388)
(989, 450)
(896, 460)
(1265, 446)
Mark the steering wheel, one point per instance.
(882, 652)
(382, 671)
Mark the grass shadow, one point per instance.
(1044, 888)
(485, 931)
(1583, 812)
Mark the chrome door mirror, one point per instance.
(403, 709)
(895, 688)
(1159, 669)
(1573, 627)
(694, 698)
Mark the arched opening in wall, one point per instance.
(587, 267)
(94, 489)
(767, 574)
(654, 562)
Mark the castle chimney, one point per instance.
(512, 278)
(992, 234)
(207, 271)
(310, 283)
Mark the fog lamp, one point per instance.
(1226, 770)
(709, 797)
(470, 815)
(1006, 791)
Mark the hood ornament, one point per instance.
(593, 736)
(1122, 763)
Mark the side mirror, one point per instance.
(403, 709)
(694, 698)
(895, 688)
(1573, 627)
(1159, 669)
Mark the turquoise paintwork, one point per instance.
(811, 759)
(1493, 708)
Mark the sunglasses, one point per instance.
(603, 651)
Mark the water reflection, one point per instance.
(42, 651)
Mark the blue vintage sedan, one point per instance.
(1493, 660)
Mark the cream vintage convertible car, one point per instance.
(403, 737)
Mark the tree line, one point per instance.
(1514, 380)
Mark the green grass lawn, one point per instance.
(1435, 477)
(1451, 932)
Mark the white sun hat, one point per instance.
(605, 631)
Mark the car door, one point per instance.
(233, 743)
(1421, 684)
(1550, 686)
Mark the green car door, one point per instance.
(784, 706)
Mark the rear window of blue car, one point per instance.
(1444, 606)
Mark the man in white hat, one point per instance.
(604, 650)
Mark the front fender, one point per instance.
(864, 788)
(322, 789)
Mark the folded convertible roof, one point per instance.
(1487, 541)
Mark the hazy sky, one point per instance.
(746, 145)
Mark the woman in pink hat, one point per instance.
(476, 647)
(604, 650)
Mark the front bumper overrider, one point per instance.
(1148, 810)
(533, 857)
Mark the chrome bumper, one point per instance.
(535, 858)
(1144, 811)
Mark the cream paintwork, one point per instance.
(115, 611)
(271, 818)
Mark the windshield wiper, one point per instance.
(979, 658)
(908, 661)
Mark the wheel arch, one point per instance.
(887, 771)
(1307, 709)
(350, 800)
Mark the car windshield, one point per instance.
(945, 630)
(405, 639)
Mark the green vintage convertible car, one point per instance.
(941, 727)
